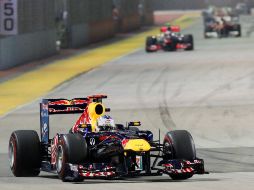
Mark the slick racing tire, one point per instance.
(239, 30)
(179, 144)
(71, 149)
(150, 41)
(189, 39)
(24, 153)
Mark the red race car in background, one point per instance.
(170, 39)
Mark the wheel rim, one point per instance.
(167, 148)
(59, 159)
(11, 154)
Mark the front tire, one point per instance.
(179, 144)
(24, 153)
(150, 40)
(72, 148)
(189, 39)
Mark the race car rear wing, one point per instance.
(63, 106)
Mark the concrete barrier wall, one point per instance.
(79, 35)
(17, 50)
(100, 30)
(148, 12)
(37, 34)
(74, 22)
(130, 23)
(35, 15)
(89, 21)
(92, 20)
(101, 24)
(129, 15)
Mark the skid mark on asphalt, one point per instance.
(220, 88)
(240, 159)
(165, 115)
(108, 79)
(157, 79)
(141, 97)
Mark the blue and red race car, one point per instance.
(170, 39)
(91, 149)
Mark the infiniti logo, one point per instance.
(92, 141)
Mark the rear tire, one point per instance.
(72, 148)
(179, 144)
(239, 30)
(24, 153)
(189, 39)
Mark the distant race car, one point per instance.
(221, 22)
(221, 27)
(170, 39)
(95, 150)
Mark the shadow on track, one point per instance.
(133, 180)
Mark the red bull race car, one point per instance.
(96, 147)
(170, 39)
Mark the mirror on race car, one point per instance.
(134, 123)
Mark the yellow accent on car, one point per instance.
(95, 111)
(136, 123)
(137, 145)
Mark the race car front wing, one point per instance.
(103, 170)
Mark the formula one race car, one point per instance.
(93, 150)
(221, 24)
(170, 39)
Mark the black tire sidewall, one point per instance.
(182, 144)
(62, 173)
(27, 158)
(189, 39)
(74, 152)
(183, 148)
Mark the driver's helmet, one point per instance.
(105, 123)
(168, 25)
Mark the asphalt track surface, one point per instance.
(209, 92)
